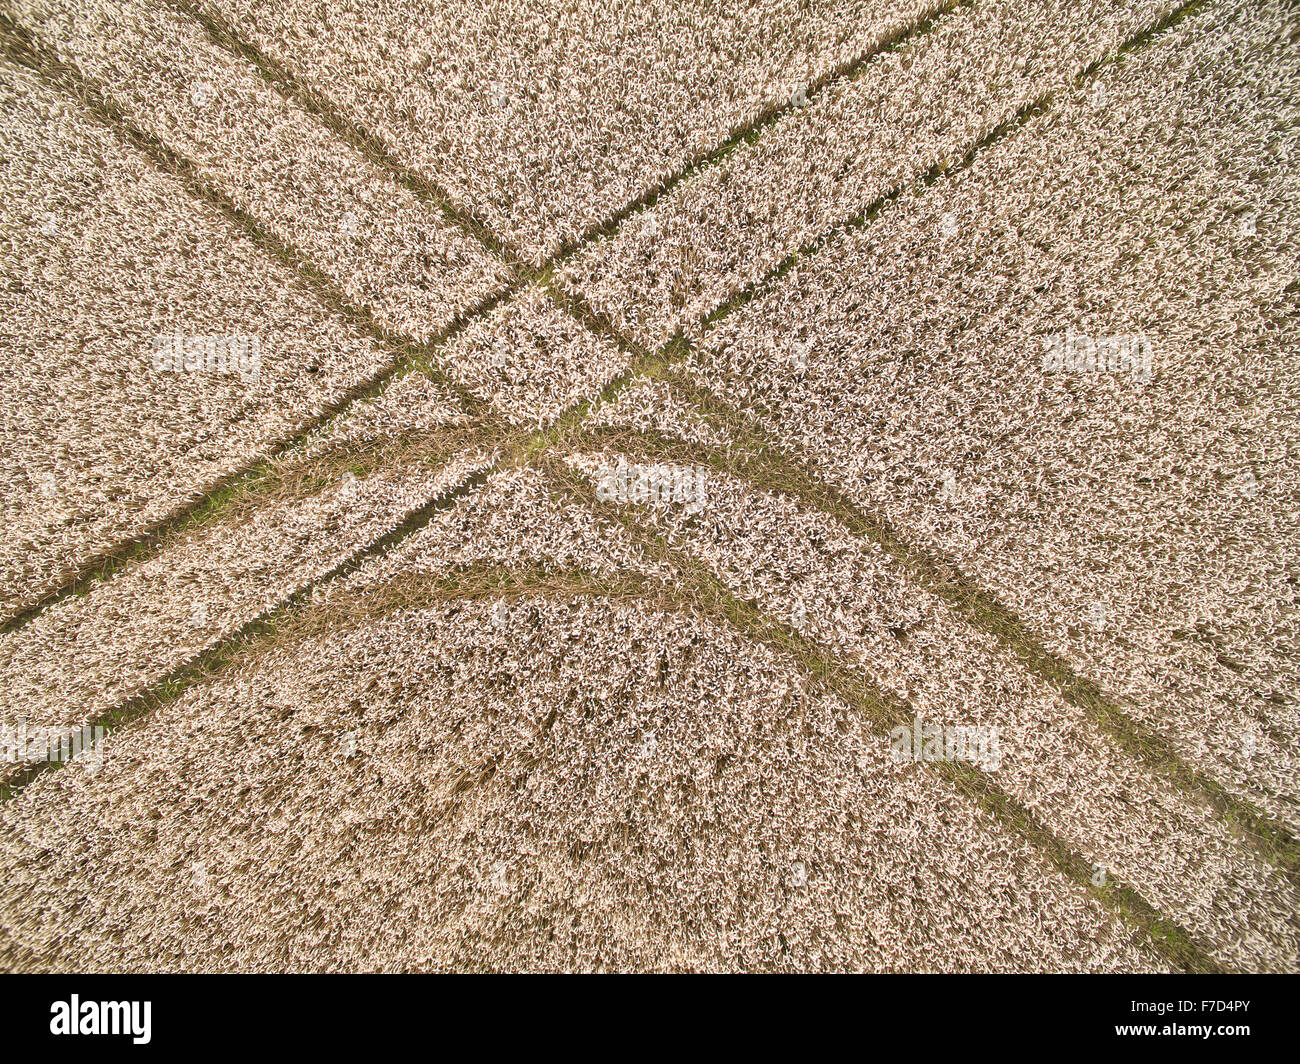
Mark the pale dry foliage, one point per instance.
(1175, 505)
(408, 691)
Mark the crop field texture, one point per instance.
(805, 485)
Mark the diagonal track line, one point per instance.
(219, 653)
(220, 32)
(981, 608)
(1013, 123)
(367, 144)
(22, 48)
(760, 462)
(884, 711)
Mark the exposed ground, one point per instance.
(505, 476)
